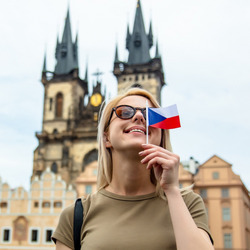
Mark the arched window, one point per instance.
(59, 105)
(137, 85)
(54, 168)
(89, 157)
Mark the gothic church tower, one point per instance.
(140, 70)
(69, 129)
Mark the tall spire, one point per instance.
(157, 54)
(116, 54)
(150, 35)
(44, 63)
(139, 42)
(86, 73)
(66, 51)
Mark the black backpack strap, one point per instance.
(78, 220)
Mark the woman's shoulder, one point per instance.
(189, 195)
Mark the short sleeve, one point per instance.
(64, 229)
(197, 210)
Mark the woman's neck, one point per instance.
(129, 176)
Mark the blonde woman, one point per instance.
(138, 204)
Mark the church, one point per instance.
(65, 159)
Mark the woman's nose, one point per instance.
(138, 116)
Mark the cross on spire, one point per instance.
(97, 74)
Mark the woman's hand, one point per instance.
(164, 163)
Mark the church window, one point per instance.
(124, 79)
(55, 131)
(57, 204)
(137, 85)
(89, 157)
(136, 77)
(59, 105)
(6, 235)
(143, 77)
(121, 66)
(54, 168)
(50, 103)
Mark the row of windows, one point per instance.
(226, 213)
(224, 193)
(36, 204)
(48, 204)
(34, 235)
(143, 77)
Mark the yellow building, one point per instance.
(227, 202)
(27, 219)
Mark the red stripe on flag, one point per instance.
(168, 123)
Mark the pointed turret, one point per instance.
(76, 50)
(139, 42)
(140, 69)
(66, 51)
(86, 73)
(128, 38)
(44, 63)
(116, 54)
(150, 35)
(157, 54)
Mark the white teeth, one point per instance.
(136, 130)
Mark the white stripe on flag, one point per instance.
(167, 112)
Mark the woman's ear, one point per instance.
(106, 140)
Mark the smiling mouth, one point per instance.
(135, 130)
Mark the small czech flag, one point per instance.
(164, 118)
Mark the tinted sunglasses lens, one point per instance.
(144, 113)
(125, 112)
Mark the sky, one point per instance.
(205, 49)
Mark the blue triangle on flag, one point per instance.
(154, 117)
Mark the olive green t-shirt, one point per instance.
(127, 222)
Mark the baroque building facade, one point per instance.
(65, 160)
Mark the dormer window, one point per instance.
(137, 41)
(63, 50)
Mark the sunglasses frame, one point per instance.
(133, 108)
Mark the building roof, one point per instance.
(139, 43)
(66, 51)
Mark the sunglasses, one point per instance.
(126, 112)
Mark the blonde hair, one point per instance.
(104, 154)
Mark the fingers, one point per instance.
(151, 152)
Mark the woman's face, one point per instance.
(131, 133)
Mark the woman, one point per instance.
(138, 204)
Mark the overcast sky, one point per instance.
(205, 48)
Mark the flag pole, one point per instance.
(147, 122)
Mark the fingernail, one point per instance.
(141, 153)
